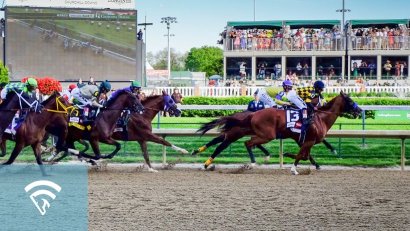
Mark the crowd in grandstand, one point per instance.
(316, 39)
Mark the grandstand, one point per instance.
(377, 51)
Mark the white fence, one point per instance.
(248, 91)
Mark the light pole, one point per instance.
(168, 20)
(145, 24)
(344, 10)
(254, 10)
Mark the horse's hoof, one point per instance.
(152, 170)
(295, 173)
(334, 152)
(266, 158)
(195, 152)
(317, 167)
(209, 168)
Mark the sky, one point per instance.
(199, 22)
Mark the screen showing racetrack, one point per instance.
(69, 44)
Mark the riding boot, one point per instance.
(305, 125)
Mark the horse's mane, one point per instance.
(118, 94)
(52, 96)
(330, 103)
(9, 97)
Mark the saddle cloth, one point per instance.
(293, 120)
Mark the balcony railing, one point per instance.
(318, 44)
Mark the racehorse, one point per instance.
(13, 103)
(268, 124)
(104, 125)
(238, 132)
(33, 128)
(139, 127)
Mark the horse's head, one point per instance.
(170, 106)
(125, 100)
(19, 100)
(55, 102)
(350, 106)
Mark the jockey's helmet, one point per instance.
(31, 82)
(287, 84)
(72, 87)
(135, 85)
(105, 86)
(319, 85)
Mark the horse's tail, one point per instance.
(226, 123)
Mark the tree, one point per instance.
(205, 59)
(4, 74)
(159, 60)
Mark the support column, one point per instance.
(283, 67)
(379, 67)
(408, 68)
(254, 68)
(349, 66)
(225, 70)
(313, 65)
(343, 67)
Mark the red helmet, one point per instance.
(71, 87)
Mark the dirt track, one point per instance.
(128, 199)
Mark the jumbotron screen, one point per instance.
(69, 44)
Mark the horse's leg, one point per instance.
(37, 153)
(143, 145)
(330, 147)
(3, 147)
(16, 151)
(303, 154)
(85, 144)
(149, 136)
(110, 141)
(214, 141)
(265, 151)
(217, 151)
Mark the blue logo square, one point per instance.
(31, 201)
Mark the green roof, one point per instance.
(255, 24)
(312, 23)
(377, 22)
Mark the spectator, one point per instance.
(387, 67)
(177, 97)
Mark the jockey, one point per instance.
(28, 88)
(134, 88)
(290, 97)
(309, 93)
(67, 93)
(87, 96)
(256, 104)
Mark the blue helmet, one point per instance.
(319, 85)
(287, 83)
(106, 86)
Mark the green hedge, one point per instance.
(245, 100)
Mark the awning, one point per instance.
(377, 22)
(255, 24)
(312, 23)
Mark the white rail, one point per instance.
(388, 134)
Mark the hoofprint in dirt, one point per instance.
(128, 198)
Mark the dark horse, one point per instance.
(33, 128)
(266, 125)
(104, 125)
(57, 125)
(14, 102)
(139, 126)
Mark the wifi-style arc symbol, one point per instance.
(41, 193)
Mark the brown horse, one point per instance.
(139, 127)
(14, 102)
(33, 128)
(268, 124)
(104, 125)
(238, 133)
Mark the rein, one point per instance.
(60, 104)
